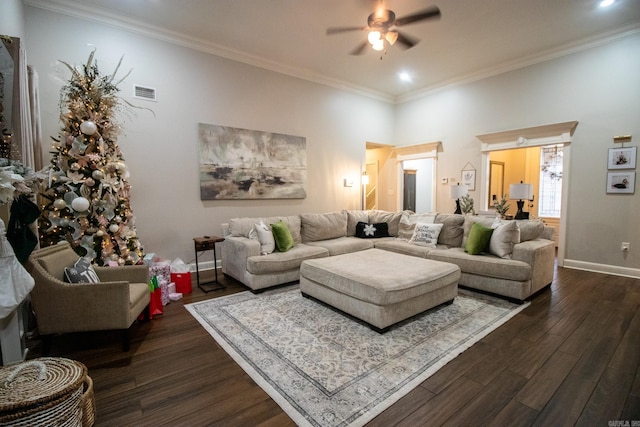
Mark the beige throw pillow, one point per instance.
(505, 235)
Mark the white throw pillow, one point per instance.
(505, 235)
(265, 236)
(426, 234)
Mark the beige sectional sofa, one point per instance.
(513, 270)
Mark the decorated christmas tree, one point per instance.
(86, 201)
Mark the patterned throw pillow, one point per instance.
(368, 231)
(81, 272)
(425, 234)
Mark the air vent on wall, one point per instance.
(142, 92)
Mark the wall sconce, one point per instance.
(521, 192)
(365, 178)
(456, 192)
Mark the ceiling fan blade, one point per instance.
(360, 49)
(430, 13)
(407, 42)
(338, 30)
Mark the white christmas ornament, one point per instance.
(99, 233)
(113, 228)
(88, 127)
(97, 174)
(80, 204)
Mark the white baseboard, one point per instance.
(204, 265)
(602, 268)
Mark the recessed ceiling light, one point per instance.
(605, 3)
(405, 76)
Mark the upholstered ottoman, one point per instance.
(379, 287)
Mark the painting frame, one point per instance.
(622, 158)
(468, 178)
(244, 164)
(621, 182)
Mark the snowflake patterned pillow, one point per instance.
(426, 234)
(367, 231)
(81, 272)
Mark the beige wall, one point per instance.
(582, 86)
(195, 86)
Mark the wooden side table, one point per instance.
(202, 244)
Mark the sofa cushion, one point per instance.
(452, 231)
(241, 227)
(426, 234)
(369, 231)
(325, 226)
(279, 262)
(343, 245)
(409, 220)
(478, 239)
(282, 236)
(353, 218)
(391, 218)
(530, 230)
(484, 264)
(401, 246)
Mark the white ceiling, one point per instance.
(473, 38)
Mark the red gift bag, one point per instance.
(155, 303)
(182, 281)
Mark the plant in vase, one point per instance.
(502, 207)
(466, 205)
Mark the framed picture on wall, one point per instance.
(469, 177)
(622, 158)
(621, 182)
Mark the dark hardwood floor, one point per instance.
(571, 358)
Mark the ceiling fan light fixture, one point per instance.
(391, 37)
(379, 45)
(374, 37)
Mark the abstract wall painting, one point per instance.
(248, 164)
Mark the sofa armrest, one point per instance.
(540, 255)
(235, 251)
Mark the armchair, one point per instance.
(60, 307)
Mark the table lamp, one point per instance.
(456, 192)
(521, 192)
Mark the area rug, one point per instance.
(326, 369)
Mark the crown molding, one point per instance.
(565, 50)
(103, 16)
(100, 15)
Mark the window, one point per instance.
(550, 181)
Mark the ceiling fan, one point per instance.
(382, 28)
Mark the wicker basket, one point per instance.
(88, 403)
(43, 391)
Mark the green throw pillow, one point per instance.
(478, 239)
(282, 236)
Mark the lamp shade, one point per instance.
(520, 191)
(365, 178)
(458, 191)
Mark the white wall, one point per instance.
(12, 18)
(195, 87)
(599, 87)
